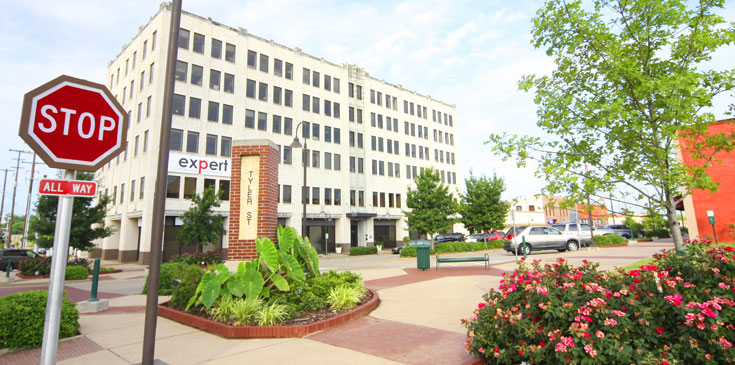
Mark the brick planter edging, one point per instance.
(606, 246)
(229, 331)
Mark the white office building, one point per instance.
(366, 138)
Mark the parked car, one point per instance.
(582, 231)
(620, 229)
(539, 238)
(449, 237)
(398, 249)
(15, 256)
(485, 237)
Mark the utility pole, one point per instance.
(28, 202)
(2, 205)
(15, 188)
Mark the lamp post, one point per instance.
(711, 218)
(297, 144)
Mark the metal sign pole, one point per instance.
(56, 283)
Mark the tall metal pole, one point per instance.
(56, 283)
(28, 202)
(2, 205)
(12, 206)
(304, 202)
(159, 202)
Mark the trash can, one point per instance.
(422, 256)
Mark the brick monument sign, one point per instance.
(253, 196)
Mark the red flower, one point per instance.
(660, 330)
(520, 352)
(542, 343)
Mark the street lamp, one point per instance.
(297, 144)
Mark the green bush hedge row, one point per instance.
(609, 240)
(449, 247)
(169, 272)
(371, 250)
(22, 316)
(189, 281)
(76, 272)
(659, 232)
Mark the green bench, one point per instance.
(485, 258)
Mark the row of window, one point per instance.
(122, 192)
(391, 102)
(446, 176)
(280, 96)
(198, 45)
(129, 93)
(216, 81)
(174, 189)
(332, 161)
(176, 143)
(354, 91)
(394, 200)
(278, 65)
(195, 109)
(134, 58)
(394, 169)
(311, 104)
(312, 78)
(311, 195)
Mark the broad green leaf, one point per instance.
(280, 282)
(286, 236)
(266, 293)
(267, 252)
(253, 283)
(293, 269)
(236, 286)
(241, 268)
(210, 293)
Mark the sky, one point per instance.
(467, 53)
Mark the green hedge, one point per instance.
(76, 272)
(449, 247)
(169, 272)
(660, 233)
(22, 316)
(495, 244)
(370, 250)
(609, 240)
(187, 287)
(410, 251)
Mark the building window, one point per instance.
(314, 158)
(142, 187)
(263, 63)
(225, 149)
(148, 106)
(145, 141)
(306, 76)
(195, 108)
(224, 190)
(286, 194)
(190, 187)
(287, 155)
(214, 79)
(198, 45)
(175, 141)
(352, 198)
(252, 59)
(173, 186)
(216, 48)
(337, 196)
(192, 142)
(263, 91)
(230, 52)
(249, 118)
(335, 85)
(210, 183)
(183, 38)
(337, 162)
(226, 114)
(250, 88)
(288, 99)
(229, 83)
(262, 121)
(277, 95)
(327, 196)
(289, 71)
(122, 193)
(287, 126)
(361, 198)
(211, 148)
(137, 142)
(315, 196)
(213, 112)
(179, 101)
(277, 67)
(327, 160)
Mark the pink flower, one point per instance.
(610, 322)
(481, 350)
(592, 352)
(725, 343)
(600, 334)
(560, 347)
(568, 341)
(709, 313)
(674, 299)
(481, 304)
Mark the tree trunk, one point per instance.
(674, 225)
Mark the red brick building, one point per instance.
(721, 202)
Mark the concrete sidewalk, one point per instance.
(417, 321)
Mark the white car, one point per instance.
(539, 238)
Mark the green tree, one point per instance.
(481, 207)
(201, 225)
(431, 205)
(18, 222)
(636, 227)
(630, 80)
(87, 221)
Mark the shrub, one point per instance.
(679, 307)
(495, 244)
(609, 240)
(76, 273)
(78, 261)
(410, 251)
(104, 269)
(362, 250)
(406, 239)
(199, 258)
(270, 314)
(39, 266)
(22, 316)
(478, 246)
(344, 297)
(444, 247)
(187, 287)
(658, 232)
(169, 272)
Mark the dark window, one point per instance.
(225, 149)
(183, 38)
(306, 76)
(289, 71)
(195, 108)
(252, 59)
(286, 193)
(211, 148)
(250, 88)
(198, 43)
(224, 190)
(287, 125)
(263, 91)
(226, 114)
(213, 112)
(214, 79)
(216, 48)
(175, 141)
(229, 83)
(181, 69)
(262, 121)
(249, 118)
(197, 73)
(277, 67)
(315, 196)
(277, 95)
(276, 124)
(230, 52)
(173, 186)
(263, 63)
(179, 101)
(192, 142)
(288, 98)
(190, 187)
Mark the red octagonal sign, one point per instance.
(73, 124)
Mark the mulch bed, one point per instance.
(307, 323)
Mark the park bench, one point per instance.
(485, 258)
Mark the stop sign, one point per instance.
(73, 124)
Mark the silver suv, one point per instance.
(539, 238)
(620, 229)
(582, 231)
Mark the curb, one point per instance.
(229, 331)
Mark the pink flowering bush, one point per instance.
(678, 309)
